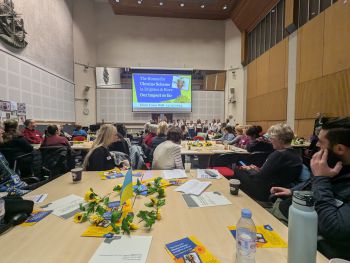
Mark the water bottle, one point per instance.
(245, 238)
(302, 228)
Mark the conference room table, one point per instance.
(204, 153)
(57, 240)
(83, 146)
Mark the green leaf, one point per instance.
(116, 229)
(150, 204)
(81, 207)
(161, 193)
(100, 210)
(106, 200)
(115, 216)
(138, 182)
(160, 202)
(117, 188)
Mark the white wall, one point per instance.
(126, 41)
(50, 35)
(84, 35)
(234, 74)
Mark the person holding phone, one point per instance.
(331, 188)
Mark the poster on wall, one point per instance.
(21, 108)
(13, 105)
(5, 106)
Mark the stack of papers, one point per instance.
(65, 207)
(201, 174)
(193, 187)
(123, 249)
(206, 199)
(174, 174)
(36, 198)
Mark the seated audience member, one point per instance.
(282, 167)
(199, 127)
(62, 133)
(79, 131)
(213, 127)
(161, 134)
(227, 136)
(32, 136)
(99, 158)
(152, 133)
(191, 129)
(219, 125)
(244, 141)
(184, 131)
(331, 189)
(168, 154)
(13, 139)
(239, 135)
(205, 126)
(256, 142)
(120, 145)
(52, 137)
(9, 180)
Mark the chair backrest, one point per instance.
(257, 158)
(56, 159)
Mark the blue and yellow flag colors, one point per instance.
(127, 191)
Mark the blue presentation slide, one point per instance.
(161, 92)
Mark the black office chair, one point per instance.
(57, 159)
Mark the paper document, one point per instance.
(65, 207)
(174, 174)
(123, 249)
(201, 174)
(36, 198)
(206, 199)
(194, 187)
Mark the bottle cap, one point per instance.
(246, 213)
(304, 198)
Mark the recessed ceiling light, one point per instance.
(117, 1)
(202, 6)
(182, 4)
(161, 3)
(139, 2)
(224, 7)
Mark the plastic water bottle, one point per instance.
(302, 228)
(245, 238)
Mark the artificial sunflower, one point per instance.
(159, 216)
(78, 217)
(95, 218)
(133, 226)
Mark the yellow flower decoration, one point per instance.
(78, 217)
(133, 226)
(159, 216)
(89, 196)
(153, 200)
(95, 218)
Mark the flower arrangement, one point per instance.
(200, 143)
(102, 211)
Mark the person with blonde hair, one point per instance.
(161, 134)
(99, 158)
(281, 168)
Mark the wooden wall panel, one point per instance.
(304, 128)
(220, 82)
(329, 94)
(268, 107)
(210, 81)
(251, 80)
(278, 68)
(262, 73)
(337, 38)
(289, 12)
(310, 51)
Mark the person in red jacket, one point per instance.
(52, 138)
(32, 136)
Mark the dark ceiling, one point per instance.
(244, 13)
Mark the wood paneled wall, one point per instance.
(323, 67)
(267, 83)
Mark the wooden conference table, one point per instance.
(84, 146)
(57, 240)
